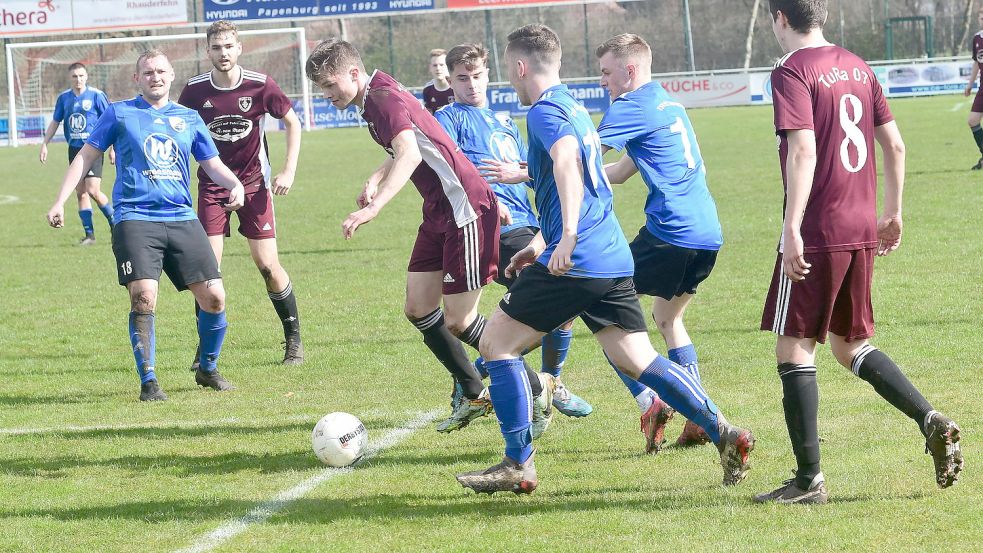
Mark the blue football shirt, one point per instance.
(79, 114)
(153, 149)
(601, 250)
(484, 134)
(657, 134)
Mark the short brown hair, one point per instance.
(221, 26)
(150, 54)
(468, 54)
(626, 45)
(331, 57)
(538, 42)
(77, 65)
(802, 15)
(438, 52)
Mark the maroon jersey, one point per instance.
(434, 99)
(978, 49)
(235, 120)
(453, 191)
(834, 93)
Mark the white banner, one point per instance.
(897, 80)
(708, 90)
(44, 17)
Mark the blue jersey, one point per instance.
(601, 250)
(484, 134)
(153, 147)
(78, 114)
(657, 134)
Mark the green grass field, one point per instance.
(84, 466)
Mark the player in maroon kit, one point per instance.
(829, 109)
(976, 112)
(438, 93)
(456, 250)
(234, 102)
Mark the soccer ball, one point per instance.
(339, 439)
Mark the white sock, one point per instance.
(645, 399)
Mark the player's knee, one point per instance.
(455, 326)
(214, 297)
(143, 301)
(266, 270)
(844, 352)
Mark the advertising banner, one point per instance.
(34, 17)
(911, 79)
(708, 90)
(292, 9)
(512, 3)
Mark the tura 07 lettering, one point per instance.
(835, 75)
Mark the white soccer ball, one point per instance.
(339, 439)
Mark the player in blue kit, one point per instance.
(485, 137)
(78, 109)
(155, 227)
(677, 248)
(579, 264)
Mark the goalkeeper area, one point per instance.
(38, 71)
(85, 466)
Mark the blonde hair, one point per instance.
(438, 52)
(626, 46)
(150, 54)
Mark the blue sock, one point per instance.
(211, 334)
(685, 356)
(479, 365)
(107, 210)
(143, 338)
(86, 216)
(556, 344)
(676, 387)
(635, 387)
(510, 395)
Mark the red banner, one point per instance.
(504, 3)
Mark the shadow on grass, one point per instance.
(415, 506)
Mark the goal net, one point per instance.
(38, 71)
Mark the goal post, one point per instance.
(37, 71)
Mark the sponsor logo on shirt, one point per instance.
(207, 104)
(230, 128)
(245, 102)
(76, 123)
(161, 150)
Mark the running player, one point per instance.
(485, 136)
(155, 227)
(578, 265)
(437, 93)
(677, 248)
(456, 250)
(829, 109)
(234, 102)
(976, 112)
(78, 108)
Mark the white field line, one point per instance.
(958, 106)
(264, 511)
(190, 425)
(4, 199)
(181, 425)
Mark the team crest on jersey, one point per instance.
(504, 119)
(177, 123)
(245, 102)
(86, 105)
(161, 150)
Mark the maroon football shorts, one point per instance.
(978, 101)
(467, 256)
(256, 220)
(834, 297)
